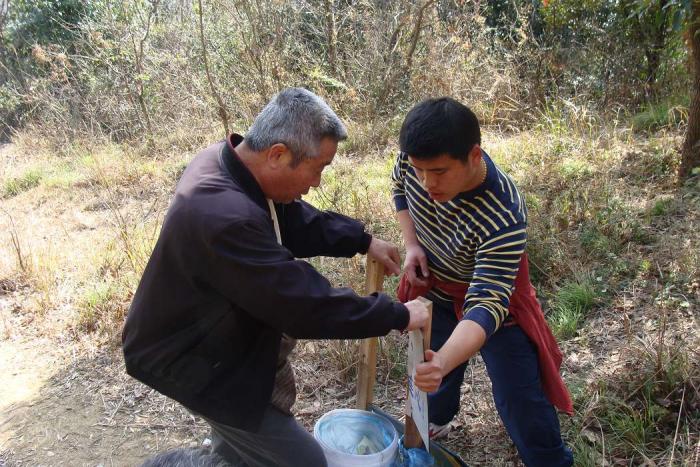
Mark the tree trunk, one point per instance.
(139, 55)
(655, 49)
(690, 156)
(404, 69)
(331, 35)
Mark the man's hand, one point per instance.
(415, 262)
(465, 341)
(429, 374)
(387, 254)
(419, 315)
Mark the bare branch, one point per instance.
(223, 115)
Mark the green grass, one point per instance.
(565, 322)
(100, 306)
(633, 414)
(30, 179)
(594, 240)
(62, 179)
(667, 113)
(575, 169)
(635, 430)
(586, 453)
(94, 303)
(661, 207)
(571, 303)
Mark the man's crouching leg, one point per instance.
(529, 418)
(280, 441)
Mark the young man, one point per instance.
(463, 222)
(224, 297)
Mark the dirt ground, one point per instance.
(67, 405)
(65, 399)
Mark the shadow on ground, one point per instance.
(89, 412)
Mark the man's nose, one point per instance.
(429, 181)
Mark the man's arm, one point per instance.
(310, 232)
(464, 342)
(416, 263)
(497, 265)
(307, 232)
(486, 305)
(416, 260)
(248, 267)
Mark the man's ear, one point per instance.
(474, 156)
(278, 155)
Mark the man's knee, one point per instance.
(186, 458)
(315, 456)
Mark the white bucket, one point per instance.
(343, 432)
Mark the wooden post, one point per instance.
(412, 437)
(368, 347)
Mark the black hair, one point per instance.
(439, 126)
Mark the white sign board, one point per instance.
(419, 399)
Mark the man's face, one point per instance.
(293, 182)
(444, 177)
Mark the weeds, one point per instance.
(137, 235)
(647, 410)
(603, 223)
(43, 275)
(30, 179)
(661, 207)
(571, 303)
(101, 307)
(664, 114)
(17, 248)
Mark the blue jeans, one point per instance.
(511, 362)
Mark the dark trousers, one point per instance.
(280, 441)
(511, 362)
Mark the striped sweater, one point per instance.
(476, 238)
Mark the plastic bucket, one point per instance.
(351, 437)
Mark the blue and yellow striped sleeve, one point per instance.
(496, 265)
(398, 188)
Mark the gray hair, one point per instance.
(298, 119)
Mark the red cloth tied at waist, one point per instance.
(526, 312)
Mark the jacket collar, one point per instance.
(239, 172)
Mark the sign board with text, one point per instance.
(418, 406)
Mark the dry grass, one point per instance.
(614, 242)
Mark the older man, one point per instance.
(224, 297)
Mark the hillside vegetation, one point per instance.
(585, 104)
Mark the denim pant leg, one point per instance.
(529, 418)
(443, 404)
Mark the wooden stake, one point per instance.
(412, 437)
(368, 347)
